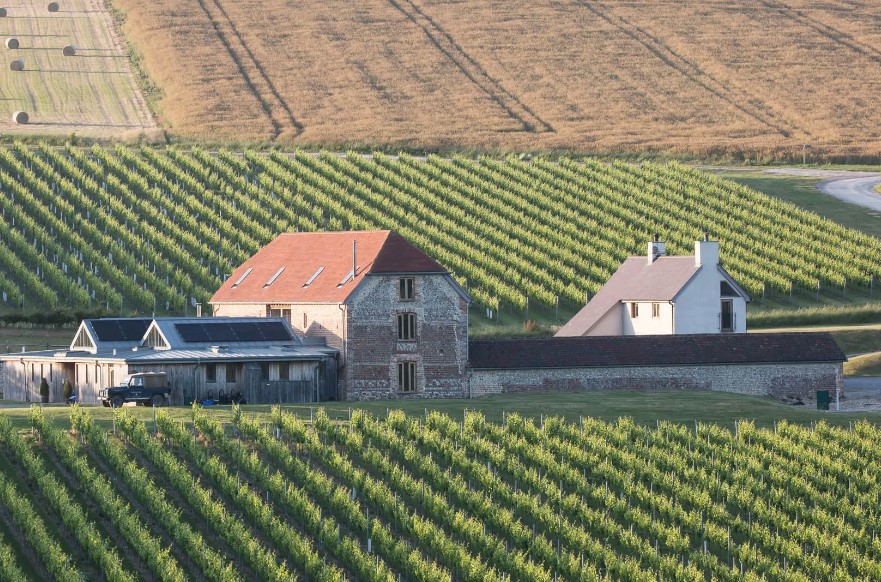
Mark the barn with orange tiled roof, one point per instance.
(398, 318)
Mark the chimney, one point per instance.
(706, 252)
(656, 249)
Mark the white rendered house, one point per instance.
(660, 295)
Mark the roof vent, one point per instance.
(219, 349)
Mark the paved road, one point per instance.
(856, 190)
(862, 386)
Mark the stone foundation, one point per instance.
(777, 380)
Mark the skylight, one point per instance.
(351, 275)
(242, 278)
(313, 277)
(274, 277)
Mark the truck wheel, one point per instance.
(157, 400)
(116, 402)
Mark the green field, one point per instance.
(802, 191)
(142, 230)
(434, 497)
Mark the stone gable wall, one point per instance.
(778, 380)
(373, 350)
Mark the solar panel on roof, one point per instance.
(107, 330)
(219, 332)
(224, 332)
(134, 329)
(120, 330)
(246, 332)
(274, 331)
(191, 332)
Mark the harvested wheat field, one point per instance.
(758, 78)
(76, 75)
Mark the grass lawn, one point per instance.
(865, 365)
(36, 338)
(802, 191)
(644, 407)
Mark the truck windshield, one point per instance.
(125, 379)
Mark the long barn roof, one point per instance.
(654, 350)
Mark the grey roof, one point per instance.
(170, 330)
(635, 280)
(149, 355)
(654, 350)
(114, 332)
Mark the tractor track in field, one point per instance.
(269, 103)
(739, 99)
(827, 31)
(444, 42)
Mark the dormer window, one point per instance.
(406, 289)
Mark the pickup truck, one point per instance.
(145, 388)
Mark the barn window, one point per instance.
(230, 374)
(284, 371)
(264, 371)
(656, 310)
(277, 311)
(407, 376)
(211, 373)
(406, 327)
(405, 289)
(83, 340)
(155, 340)
(634, 310)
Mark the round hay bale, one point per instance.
(69, 50)
(12, 43)
(2, 12)
(20, 117)
(54, 7)
(17, 65)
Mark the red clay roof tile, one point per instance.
(302, 254)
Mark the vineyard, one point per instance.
(432, 498)
(138, 229)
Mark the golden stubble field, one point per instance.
(93, 93)
(759, 78)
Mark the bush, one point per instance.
(44, 390)
(68, 389)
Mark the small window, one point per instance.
(656, 310)
(211, 373)
(284, 371)
(407, 376)
(405, 289)
(230, 374)
(264, 371)
(634, 310)
(406, 327)
(112, 374)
